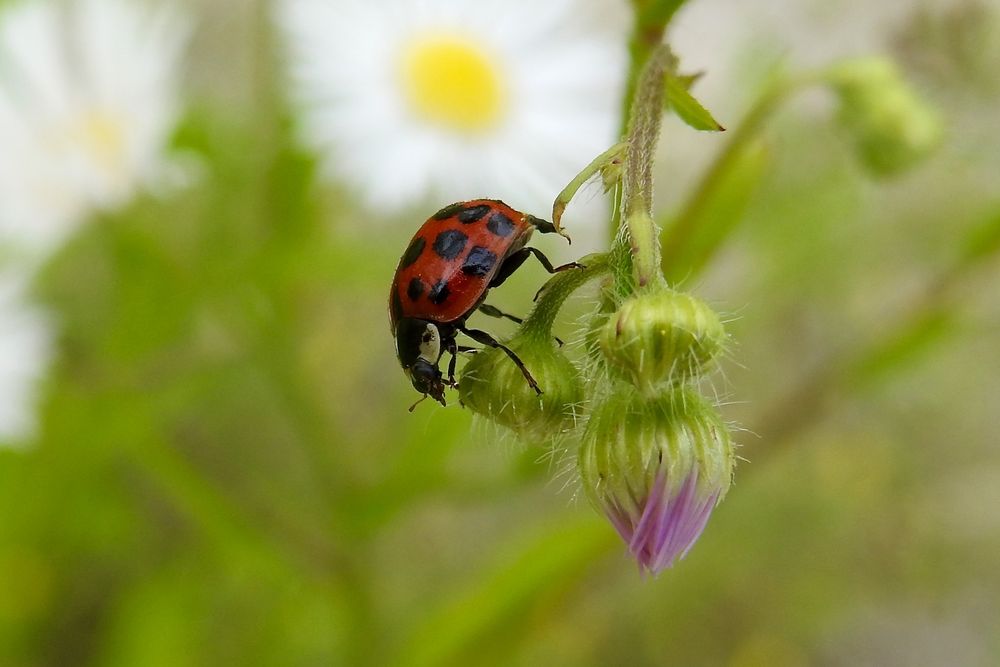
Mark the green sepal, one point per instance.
(683, 103)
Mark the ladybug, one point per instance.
(443, 277)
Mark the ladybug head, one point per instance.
(426, 379)
(418, 346)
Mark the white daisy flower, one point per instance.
(88, 99)
(89, 94)
(429, 101)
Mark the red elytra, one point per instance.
(452, 258)
(450, 264)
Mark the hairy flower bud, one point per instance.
(893, 128)
(662, 337)
(493, 386)
(656, 467)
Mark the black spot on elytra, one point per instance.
(473, 214)
(500, 224)
(448, 211)
(479, 262)
(439, 292)
(415, 289)
(413, 252)
(450, 243)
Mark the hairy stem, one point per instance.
(648, 28)
(637, 180)
(559, 288)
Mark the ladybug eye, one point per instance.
(430, 344)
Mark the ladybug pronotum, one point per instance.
(452, 262)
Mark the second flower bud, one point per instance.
(662, 337)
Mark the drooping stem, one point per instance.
(602, 162)
(555, 292)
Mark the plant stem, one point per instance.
(555, 292)
(637, 180)
(651, 18)
(648, 28)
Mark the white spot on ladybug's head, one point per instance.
(430, 344)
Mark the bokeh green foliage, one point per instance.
(226, 472)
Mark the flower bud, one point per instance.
(656, 467)
(662, 337)
(494, 387)
(893, 128)
(594, 325)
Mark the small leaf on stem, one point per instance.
(687, 108)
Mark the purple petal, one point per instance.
(620, 520)
(651, 515)
(673, 529)
(668, 525)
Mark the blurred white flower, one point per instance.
(25, 351)
(89, 94)
(429, 101)
(88, 99)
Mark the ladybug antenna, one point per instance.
(422, 399)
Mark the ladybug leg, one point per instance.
(509, 266)
(547, 264)
(491, 311)
(514, 262)
(452, 349)
(490, 341)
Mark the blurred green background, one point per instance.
(225, 471)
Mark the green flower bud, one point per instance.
(656, 467)
(893, 128)
(594, 325)
(493, 386)
(662, 337)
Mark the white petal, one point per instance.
(562, 69)
(69, 72)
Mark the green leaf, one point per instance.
(983, 241)
(905, 348)
(656, 12)
(497, 604)
(687, 108)
(691, 241)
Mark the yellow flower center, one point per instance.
(103, 136)
(454, 83)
